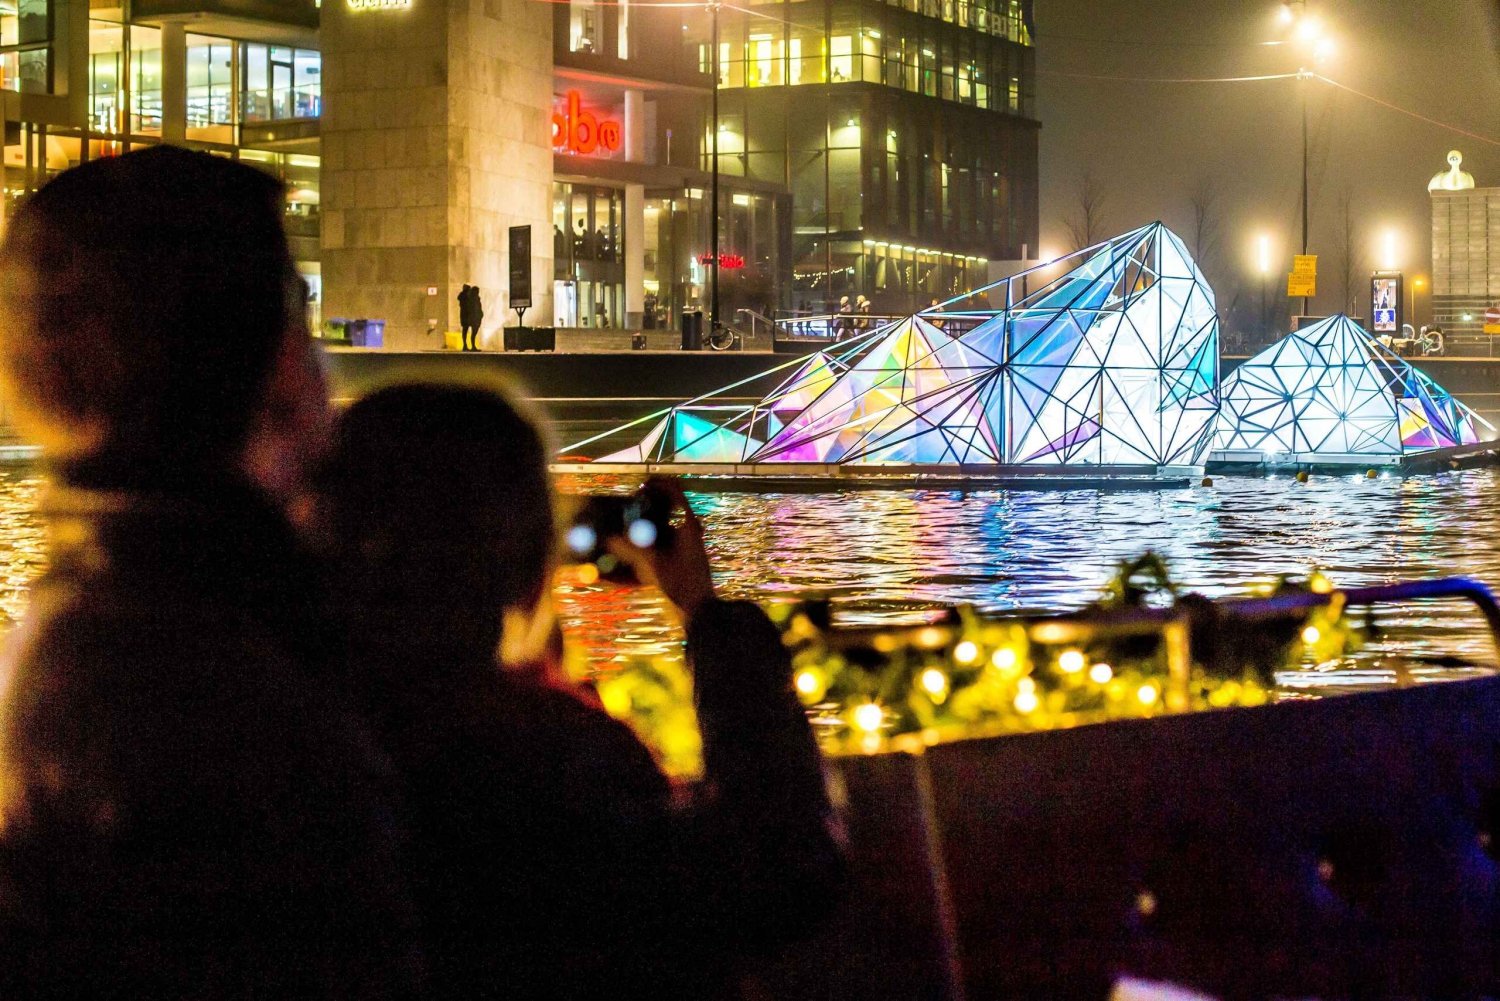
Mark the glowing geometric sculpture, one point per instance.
(1332, 390)
(1113, 362)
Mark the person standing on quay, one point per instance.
(470, 315)
(189, 808)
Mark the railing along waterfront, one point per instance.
(1337, 847)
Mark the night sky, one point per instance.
(1150, 146)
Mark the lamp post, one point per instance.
(713, 197)
(1309, 32)
(1416, 283)
(1263, 263)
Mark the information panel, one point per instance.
(520, 267)
(1385, 302)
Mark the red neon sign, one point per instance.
(577, 131)
(725, 260)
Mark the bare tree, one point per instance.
(1350, 258)
(1085, 218)
(1206, 220)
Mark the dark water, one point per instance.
(893, 556)
(890, 556)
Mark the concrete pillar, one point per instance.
(436, 138)
(635, 253)
(635, 126)
(173, 82)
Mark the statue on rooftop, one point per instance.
(1452, 179)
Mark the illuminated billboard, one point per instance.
(1385, 302)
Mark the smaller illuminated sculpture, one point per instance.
(1332, 393)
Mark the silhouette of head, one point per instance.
(145, 302)
(438, 496)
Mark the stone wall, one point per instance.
(436, 139)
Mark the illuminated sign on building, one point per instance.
(362, 5)
(577, 131)
(725, 260)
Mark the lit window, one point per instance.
(841, 58)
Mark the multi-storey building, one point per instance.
(905, 131)
(1465, 252)
(889, 149)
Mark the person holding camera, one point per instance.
(551, 860)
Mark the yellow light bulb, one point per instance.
(588, 574)
(1027, 701)
(931, 636)
(966, 653)
(1100, 673)
(868, 717)
(1311, 635)
(809, 683)
(1147, 694)
(1004, 658)
(1071, 661)
(933, 681)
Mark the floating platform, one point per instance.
(1252, 462)
(818, 477)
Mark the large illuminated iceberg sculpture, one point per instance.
(1108, 357)
(1330, 392)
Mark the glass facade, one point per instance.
(210, 88)
(588, 255)
(912, 161)
(26, 46)
(281, 83)
(977, 54)
(126, 107)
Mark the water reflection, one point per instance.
(890, 556)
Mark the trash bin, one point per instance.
(373, 334)
(692, 330)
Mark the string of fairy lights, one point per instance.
(975, 676)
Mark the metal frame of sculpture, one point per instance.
(1333, 390)
(1112, 362)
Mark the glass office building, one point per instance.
(909, 145)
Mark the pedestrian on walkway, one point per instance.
(470, 315)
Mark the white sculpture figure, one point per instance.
(1452, 179)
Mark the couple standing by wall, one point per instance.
(470, 315)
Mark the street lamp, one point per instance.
(1263, 261)
(1307, 30)
(713, 211)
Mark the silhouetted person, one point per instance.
(463, 313)
(551, 861)
(470, 315)
(190, 808)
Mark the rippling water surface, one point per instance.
(891, 556)
(897, 555)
